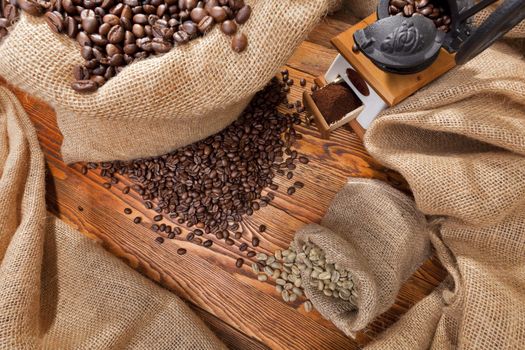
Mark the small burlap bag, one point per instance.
(375, 232)
(460, 143)
(58, 290)
(161, 103)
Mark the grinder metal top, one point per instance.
(407, 45)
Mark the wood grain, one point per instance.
(245, 313)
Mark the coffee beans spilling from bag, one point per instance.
(285, 268)
(428, 8)
(114, 33)
(213, 183)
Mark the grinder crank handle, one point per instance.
(502, 20)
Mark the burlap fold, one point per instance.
(375, 232)
(58, 290)
(460, 143)
(163, 102)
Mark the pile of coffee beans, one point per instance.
(212, 184)
(285, 268)
(428, 8)
(114, 33)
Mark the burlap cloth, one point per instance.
(460, 144)
(164, 102)
(58, 290)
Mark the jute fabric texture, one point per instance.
(163, 102)
(59, 290)
(375, 232)
(460, 144)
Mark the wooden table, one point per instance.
(245, 313)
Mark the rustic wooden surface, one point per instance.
(245, 313)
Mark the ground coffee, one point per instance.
(334, 101)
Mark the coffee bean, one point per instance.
(302, 82)
(255, 241)
(148, 205)
(298, 184)
(197, 14)
(229, 27)
(239, 262)
(127, 211)
(289, 175)
(208, 243)
(181, 37)
(262, 228)
(218, 13)
(243, 247)
(198, 232)
(181, 251)
(205, 24)
(154, 227)
(244, 14)
(190, 236)
(238, 235)
(157, 218)
(291, 190)
(159, 240)
(55, 21)
(304, 160)
(125, 190)
(251, 254)
(84, 86)
(137, 220)
(239, 42)
(171, 235)
(219, 235)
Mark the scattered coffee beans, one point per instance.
(127, 211)
(428, 8)
(137, 220)
(159, 240)
(181, 251)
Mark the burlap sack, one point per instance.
(375, 232)
(58, 290)
(160, 103)
(460, 143)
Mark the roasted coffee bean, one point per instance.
(243, 15)
(239, 262)
(162, 227)
(125, 190)
(219, 235)
(206, 24)
(127, 211)
(181, 251)
(181, 37)
(155, 227)
(243, 247)
(190, 236)
(298, 184)
(148, 205)
(289, 175)
(84, 86)
(197, 14)
(157, 218)
(80, 73)
(171, 235)
(207, 243)
(198, 232)
(190, 28)
(229, 241)
(55, 21)
(159, 240)
(255, 241)
(137, 220)
(262, 228)
(218, 13)
(116, 34)
(238, 235)
(251, 254)
(239, 42)
(304, 160)
(291, 190)
(302, 82)
(229, 27)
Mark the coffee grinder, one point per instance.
(401, 48)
